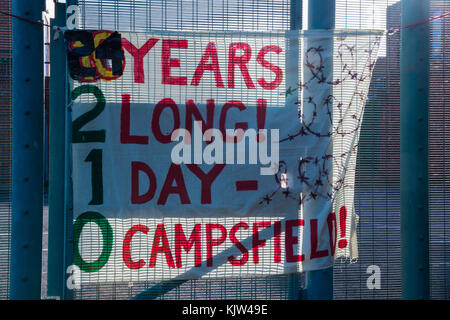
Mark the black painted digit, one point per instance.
(79, 136)
(74, 54)
(111, 48)
(96, 159)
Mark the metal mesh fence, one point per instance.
(5, 146)
(377, 196)
(439, 152)
(377, 182)
(377, 190)
(143, 16)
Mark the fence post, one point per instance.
(321, 15)
(56, 284)
(68, 191)
(296, 13)
(414, 101)
(27, 150)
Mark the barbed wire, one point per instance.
(317, 183)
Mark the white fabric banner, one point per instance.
(215, 154)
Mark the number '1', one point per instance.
(95, 157)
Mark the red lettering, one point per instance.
(216, 235)
(261, 111)
(290, 240)
(314, 240)
(210, 52)
(275, 69)
(277, 242)
(138, 56)
(125, 136)
(137, 167)
(193, 112)
(156, 129)
(223, 120)
(160, 235)
(126, 252)
(167, 62)
(239, 245)
(206, 178)
(241, 61)
(331, 220)
(212, 242)
(174, 175)
(256, 242)
(180, 241)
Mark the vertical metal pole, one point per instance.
(321, 15)
(319, 284)
(56, 283)
(68, 191)
(27, 151)
(295, 24)
(414, 101)
(296, 14)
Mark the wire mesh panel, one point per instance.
(5, 146)
(227, 15)
(439, 151)
(379, 161)
(144, 16)
(377, 192)
(266, 15)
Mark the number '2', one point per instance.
(86, 136)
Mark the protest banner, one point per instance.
(215, 154)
